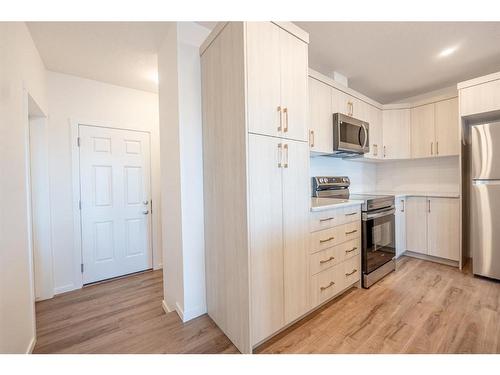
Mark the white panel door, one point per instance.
(416, 224)
(422, 131)
(447, 142)
(396, 125)
(444, 228)
(115, 199)
(296, 212)
(320, 117)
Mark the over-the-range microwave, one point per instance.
(350, 136)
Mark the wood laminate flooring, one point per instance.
(424, 307)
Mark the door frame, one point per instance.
(77, 218)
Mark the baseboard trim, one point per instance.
(179, 311)
(194, 313)
(165, 307)
(31, 346)
(64, 289)
(446, 262)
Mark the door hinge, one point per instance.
(81, 267)
(78, 141)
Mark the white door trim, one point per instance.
(77, 221)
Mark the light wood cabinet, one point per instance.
(374, 119)
(340, 102)
(276, 82)
(447, 142)
(396, 134)
(320, 117)
(443, 228)
(422, 131)
(400, 218)
(256, 178)
(480, 98)
(416, 224)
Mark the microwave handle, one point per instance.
(366, 135)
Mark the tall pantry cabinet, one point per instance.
(256, 178)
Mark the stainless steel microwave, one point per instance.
(350, 136)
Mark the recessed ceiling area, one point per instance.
(389, 61)
(120, 53)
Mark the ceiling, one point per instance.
(388, 61)
(120, 53)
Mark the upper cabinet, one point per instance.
(434, 129)
(396, 131)
(320, 117)
(480, 95)
(375, 132)
(276, 82)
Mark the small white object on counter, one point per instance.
(321, 204)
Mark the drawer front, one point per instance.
(326, 284)
(352, 231)
(326, 238)
(324, 259)
(352, 214)
(351, 271)
(349, 249)
(320, 220)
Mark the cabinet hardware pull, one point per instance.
(280, 127)
(326, 260)
(429, 205)
(280, 156)
(437, 148)
(384, 151)
(285, 165)
(352, 231)
(432, 153)
(327, 240)
(328, 286)
(375, 150)
(327, 219)
(402, 205)
(285, 114)
(311, 137)
(350, 251)
(352, 213)
(352, 272)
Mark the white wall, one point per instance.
(22, 73)
(361, 174)
(182, 169)
(420, 175)
(80, 99)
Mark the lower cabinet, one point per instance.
(433, 226)
(400, 226)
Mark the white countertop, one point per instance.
(320, 204)
(401, 194)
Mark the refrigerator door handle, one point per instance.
(485, 182)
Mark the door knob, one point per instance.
(145, 203)
(145, 212)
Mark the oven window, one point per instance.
(379, 242)
(351, 134)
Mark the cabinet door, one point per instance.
(416, 224)
(422, 131)
(320, 117)
(375, 134)
(447, 142)
(263, 78)
(396, 134)
(294, 74)
(444, 228)
(296, 203)
(340, 102)
(400, 226)
(480, 98)
(266, 235)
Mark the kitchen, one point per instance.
(351, 185)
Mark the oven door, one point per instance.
(350, 134)
(379, 244)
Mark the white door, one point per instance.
(447, 142)
(396, 131)
(320, 116)
(443, 225)
(115, 202)
(422, 131)
(416, 224)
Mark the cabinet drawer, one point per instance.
(320, 220)
(324, 259)
(351, 271)
(326, 238)
(349, 249)
(352, 214)
(326, 284)
(352, 230)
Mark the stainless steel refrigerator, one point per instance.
(485, 200)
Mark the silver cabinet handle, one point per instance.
(280, 155)
(280, 127)
(311, 138)
(375, 150)
(352, 272)
(145, 212)
(327, 240)
(285, 164)
(328, 286)
(352, 213)
(352, 231)
(327, 260)
(326, 219)
(402, 205)
(429, 205)
(384, 151)
(350, 251)
(285, 115)
(432, 153)
(437, 148)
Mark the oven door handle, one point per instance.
(376, 215)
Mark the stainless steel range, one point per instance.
(378, 225)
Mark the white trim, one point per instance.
(165, 307)
(294, 30)
(158, 266)
(31, 346)
(194, 313)
(478, 80)
(447, 262)
(77, 229)
(179, 311)
(212, 36)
